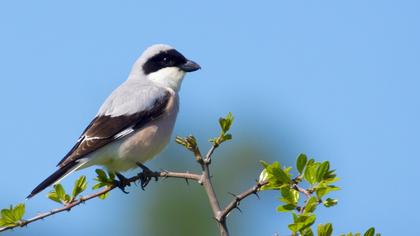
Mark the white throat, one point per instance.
(169, 77)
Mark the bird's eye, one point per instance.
(165, 60)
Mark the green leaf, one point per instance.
(2, 222)
(287, 170)
(307, 232)
(322, 171)
(286, 208)
(227, 137)
(12, 216)
(264, 164)
(311, 205)
(325, 230)
(301, 162)
(60, 191)
(180, 140)
(67, 198)
(301, 222)
(101, 174)
(59, 195)
(295, 217)
(19, 211)
(322, 189)
(226, 123)
(330, 202)
(330, 180)
(215, 141)
(276, 176)
(98, 185)
(111, 176)
(290, 196)
(7, 216)
(310, 172)
(103, 178)
(223, 124)
(309, 220)
(330, 174)
(103, 196)
(189, 142)
(370, 232)
(296, 227)
(79, 186)
(53, 196)
(279, 173)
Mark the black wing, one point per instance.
(105, 129)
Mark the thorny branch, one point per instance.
(239, 197)
(204, 179)
(76, 202)
(220, 214)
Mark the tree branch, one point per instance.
(210, 153)
(302, 190)
(208, 186)
(69, 206)
(239, 197)
(66, 207)
(220, 214)
(214, 203)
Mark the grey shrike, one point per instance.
(135, 122)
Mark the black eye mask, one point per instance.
(170, 58)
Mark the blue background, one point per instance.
(338, 80)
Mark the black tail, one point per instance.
(53, 178)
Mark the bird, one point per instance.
(135, 122)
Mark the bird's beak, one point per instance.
(190, 66)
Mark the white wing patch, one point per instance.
(124, 133)
(87, 138)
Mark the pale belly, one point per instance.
(140, 146)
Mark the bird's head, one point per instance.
(164, 65)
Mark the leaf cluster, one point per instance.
(369, 232)
(58, 194)
(190, 143)
(12, 216)
(225, 124)
(302, 194)
(104, 180)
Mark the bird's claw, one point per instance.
(146, 175)
(122, 182)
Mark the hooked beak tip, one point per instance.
(190, 66)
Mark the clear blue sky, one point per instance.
(338, 80)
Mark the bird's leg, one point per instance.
(146, 175)
(122, 182)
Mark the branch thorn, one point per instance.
(234, 195)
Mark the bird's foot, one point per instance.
(122, 182)
(146, 175)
